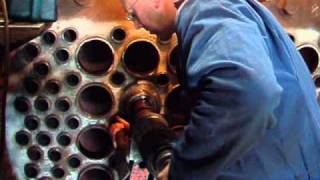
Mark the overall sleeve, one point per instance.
(229, 67)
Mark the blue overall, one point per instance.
(254, 113)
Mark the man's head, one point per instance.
(157, 16)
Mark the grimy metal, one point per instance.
(67, 84)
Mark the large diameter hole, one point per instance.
(95, 57)
(22, 104)
(311, 57)
(95, 142)
(141, 57)
(95, 100)
(96, 172)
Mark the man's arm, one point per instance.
(238, 92)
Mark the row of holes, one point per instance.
(95, 56)
(94, 142)
(32, 122)
(91, 172)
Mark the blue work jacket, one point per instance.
(254, 113)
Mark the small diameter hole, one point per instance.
(31, 122)
(118, 78)
(62, 55)
(70, 35)
(54, 154)
(43, 139)
(22, 138)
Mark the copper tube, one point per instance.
(95, 56)
(41, 68)
(58, 172)
(73, 79)
(96, 172)
(43, 138)
(52, 121)
(141, 58)
(63, 104)
(64, 139)
(31, 170)
(95, 142)
(118, 34)
(62, 55)
(54, 154)
(73, 122)
(95, 99)
(53, 86)
(23, 138)
(74, 161)
(42, 104)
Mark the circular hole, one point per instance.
(70, 35)
(43, 139)
(163, 79)
(96, 172)
(31, 122)
(73, 122)
(31, 85)
(52, 86)
(63, 104)
(34, 153)
(141, 57)
(74, 161)
(23, 138)
(317, 81)
(21, 104)
(31, 170)
(62, 55)
(95, 100)
(52, 121)
(118, 78)
(174, 107)
(58, 172)
(311, 57)
(49, 37)
(28, 52)
(95, 142)
(54, 154)
(64, 139)
(118, 34)
(174, 59)
(95, 57)
(72, 79)
(42, 104)
(41, 68)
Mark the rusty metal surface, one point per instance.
(67, 84)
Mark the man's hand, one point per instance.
(163, 175)
(120, 133)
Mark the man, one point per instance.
(254, 113)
